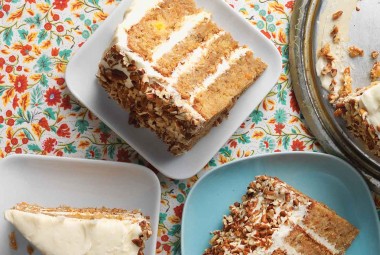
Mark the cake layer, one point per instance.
(206, 64)
(96, 231)
(330, 228)
(157, 25)
(200, 34)
(222, 89)
(302, 243)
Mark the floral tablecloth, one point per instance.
(38, 115)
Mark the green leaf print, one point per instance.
(49, 113)
(34, 147)
(42, 35)
(82, 125)
(23, 33)
(7, 36)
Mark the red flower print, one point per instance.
(289, 5)
(66, 103)
(48, 144)
(104, 137)
(268, 35)
(21, 83)
(64, 131)
(233, 144)
(25, 49)
(293, 102)
(60, 81)
(123, 155)
(278, 128)
(60, 4)
(54, 52)
(44, 123)
(30, 1)
(178, 211)
(15, 102)
(52, 96)
(2, 62)
(298, 145)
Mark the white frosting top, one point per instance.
(370, 100)
(59, 235)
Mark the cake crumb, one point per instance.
(357, 8)
(347, 83)
(328, 68)
(13, 241)
(374, 54)
(30, 249)
(375, 71)
(334, 34)
(354, 51)
(337, 15)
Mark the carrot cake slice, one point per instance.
(65, 230)
(175, 70)
(274, 218)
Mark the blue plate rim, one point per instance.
(289, 153)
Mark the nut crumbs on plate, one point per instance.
(375, 71)
(355, 51)
(30, 249)
(374, 54)
(12, 241)
(337, 15)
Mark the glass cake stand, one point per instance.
(331, 131)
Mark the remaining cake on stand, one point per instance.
(175, 70)
(274, 218)
(66, 230)
(361, 111)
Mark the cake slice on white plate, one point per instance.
(175, 70)
(71, 231)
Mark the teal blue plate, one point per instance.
(323, 177)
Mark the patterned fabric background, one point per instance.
(38, 115)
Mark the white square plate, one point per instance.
(82, 82)
(53, 181)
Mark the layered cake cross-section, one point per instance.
(66, 230)
(274, 218)
(175, 70)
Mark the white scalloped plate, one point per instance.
(53, 181)
(81, 80)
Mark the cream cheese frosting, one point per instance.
(370, 100)
(59, 235)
